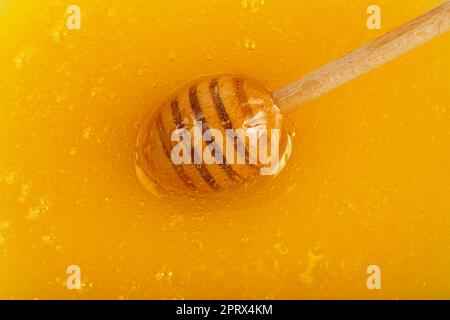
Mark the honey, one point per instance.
(367, 182)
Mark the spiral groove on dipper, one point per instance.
(201, 168)
(221, 103)
(167, 144)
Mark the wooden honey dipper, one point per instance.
(231, 102)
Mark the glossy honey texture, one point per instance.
(367, 182)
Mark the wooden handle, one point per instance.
(366, 58)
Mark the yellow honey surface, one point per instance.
(368, 181)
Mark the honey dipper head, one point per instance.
(209, 136)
